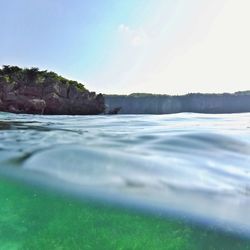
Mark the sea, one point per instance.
(174, 181)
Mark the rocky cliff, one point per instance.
(165, 104)
(41, 92)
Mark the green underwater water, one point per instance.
(34, 218)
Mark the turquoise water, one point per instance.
(192, 170)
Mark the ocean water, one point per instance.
(177, 181)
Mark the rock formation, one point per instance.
(41, 92)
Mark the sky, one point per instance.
(128, 46)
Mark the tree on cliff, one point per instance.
(32, 74)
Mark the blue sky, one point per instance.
(118, 46)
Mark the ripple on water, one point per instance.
(196, 164)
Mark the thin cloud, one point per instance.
(135, 37)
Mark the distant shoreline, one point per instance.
(140, 103)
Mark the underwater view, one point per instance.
(176, 181)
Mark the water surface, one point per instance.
(192, 169)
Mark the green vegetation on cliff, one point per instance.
(27, 76)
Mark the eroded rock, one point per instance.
(52, 98)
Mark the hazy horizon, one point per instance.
(144, 46)
(150, 93)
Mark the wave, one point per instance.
(195, 165)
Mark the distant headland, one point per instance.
(139, 103)
(33, 91)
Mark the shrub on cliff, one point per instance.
(27, 76)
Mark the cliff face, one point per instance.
(41, 92)
(164, 104)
